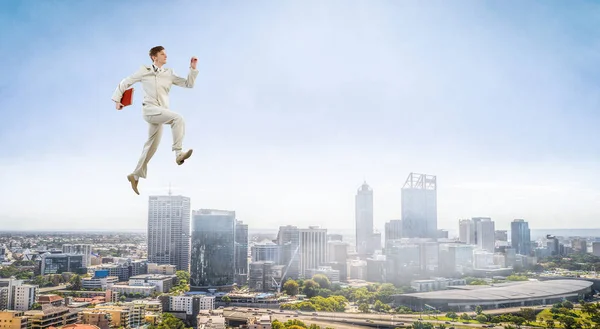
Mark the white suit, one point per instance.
(157, 83)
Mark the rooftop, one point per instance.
(77, 326)
(152, 276)
(522, 290)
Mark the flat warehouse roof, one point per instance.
(524, 290)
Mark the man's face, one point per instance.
(161, 57)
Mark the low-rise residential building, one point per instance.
(51, 316)
(13, 320)
(164, 283)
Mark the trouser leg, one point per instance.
(156, 123)
(150, 147)
(175, 120)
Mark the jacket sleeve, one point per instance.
(128, 82)
(186, 83)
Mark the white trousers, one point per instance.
(155, 127)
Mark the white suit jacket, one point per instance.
(156, 86)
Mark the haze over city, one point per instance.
(296, 105)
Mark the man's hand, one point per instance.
(193, 62)
(118, 105)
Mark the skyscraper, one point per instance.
(364, 219)
(393, 230)
(169, 231)
(241, 252)
(213, 248)
(419, 206)
(520, 237)
(79, 249)
(313, 248)
(288, 238)
(486, 234)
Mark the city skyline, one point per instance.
(286, 121)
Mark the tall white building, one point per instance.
(182, 304)
(364, 219)
(25, 296)
(313, 248)
(79, 249)
(288, 239)
(186, 303)
(486, 235)
(465, 231)
(266, 250)
(483, 259)
(14, 295)
(470, 230)
(419, 206)
(169, 231)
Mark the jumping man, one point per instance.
(157, 81)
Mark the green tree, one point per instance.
(183, 282)
(452, 315)
(550, 323)
(379, 306)
(295, 322)
(182, 276)
(481, 318)
(322, 280)
(568, 322)
(168, 322)
(518, 320)
(528, 314)
(478, 309)
(421, 325)
(364, 308)
(361, 295)
(291, 287)
(325, 293)
(75, 282)
(277, 325)
(310, 288)
(39, 280)
(226, 299)
(589, 308)
(385, 292)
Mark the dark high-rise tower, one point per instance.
(520, 237)
(419, 206)
(213, 248)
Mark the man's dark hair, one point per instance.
(155, 50)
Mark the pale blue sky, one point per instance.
(298, 101)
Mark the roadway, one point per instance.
(322, 322)
(346, 319)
